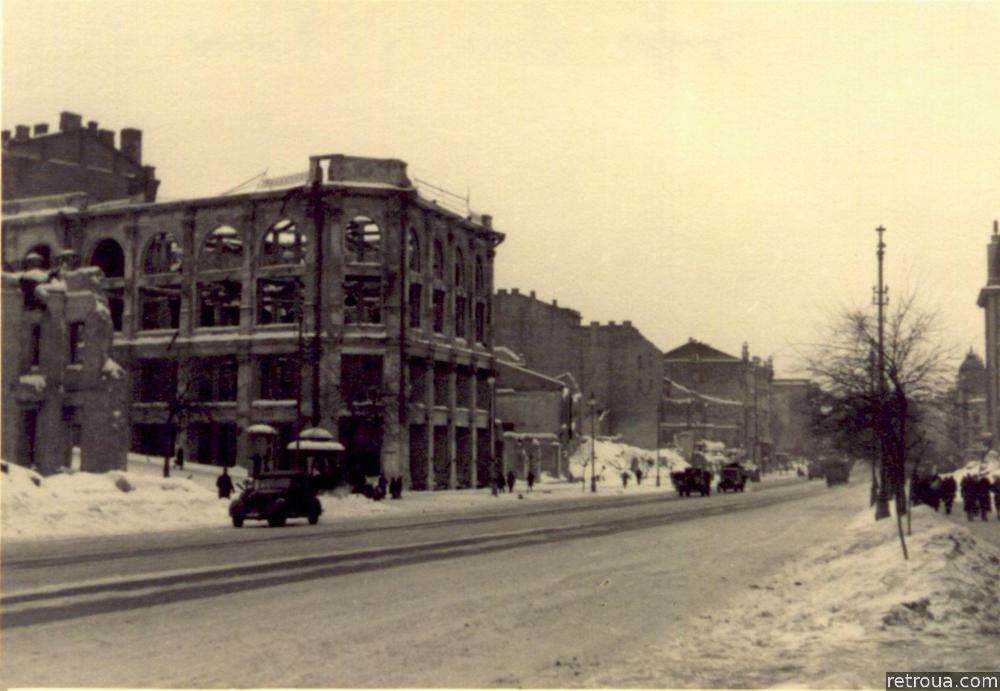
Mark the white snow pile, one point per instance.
(847, 612)
(76, 503)
(989, 466)
(612, 458)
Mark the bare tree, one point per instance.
(880, 417)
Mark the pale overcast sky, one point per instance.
(705, 170)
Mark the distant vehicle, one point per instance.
(732, 478)
(836, 472)
(815, 470)
(275, 497)
(691, 480)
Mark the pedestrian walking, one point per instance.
(499, 486)
(511, 479)
(638, 476)
(224, 484)
(382, 483)
(531, 479)
(179, 458)
(624, 479)
(983, 491)
(948, 489)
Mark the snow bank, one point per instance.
(847, 611)
(101, 503)
(612, 458)
(990, 466)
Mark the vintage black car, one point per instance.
(691, 480)
(275, 497)
(732, 478)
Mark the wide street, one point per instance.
(532, 596)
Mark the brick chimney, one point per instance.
(70, 121)
(92, 126)
(41, 128)
(107, 137)
(131, 143)
(487, 221)
(6, 136)
(22, 133)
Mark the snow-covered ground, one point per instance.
(850, 610)
(142, 500)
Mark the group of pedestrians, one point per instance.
(977, 491)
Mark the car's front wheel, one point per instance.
(313, 518)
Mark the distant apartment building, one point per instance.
(613, 363)
(970, 407)
(790, 422)
(341, 297)
(989, 300)
(720, 397)
(76, 158)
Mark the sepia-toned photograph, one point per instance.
(500, 344)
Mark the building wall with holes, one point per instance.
(195, 279)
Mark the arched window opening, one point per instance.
(284, 244)
(438, 260)
(223, 249)
(43, 251)
(163, 255)
(413, 251)
(363, 239)
(480, 275)
(459, 268)
(109, 257)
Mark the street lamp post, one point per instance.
(593, 477)
(659, 421)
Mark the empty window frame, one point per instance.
(480, 322)
(413, 251)
(156, 380)
(279, 377)
(159, 307)
(439, 311)
(415, 305)
(362, 300)
(109, 258)
(284, 245)
(163, 255)
(480, 276)
(215, 379)
(459, 268)
(76, 343)
(219, 303)
(363, 240)
(461, 309)
(222, 249)
(279, 300)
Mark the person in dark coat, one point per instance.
(947, 492)
(983, 487)
(500, 484)
(382, 483)
(638, 476)
(531, 479)
(179, 459)
(511, 479)
(624, 479)
(970, 502)
(224, 484)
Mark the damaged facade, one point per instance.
(720, 397)
(60, 386)
(612, 362)
(339, 298)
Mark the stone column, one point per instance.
(452, 405)
(244, 400)
(473, 431)
(429, 405)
